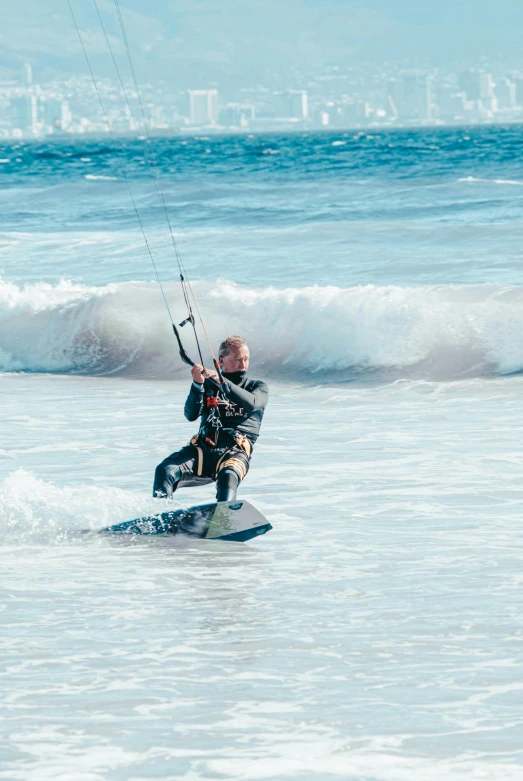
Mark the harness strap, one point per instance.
(245, 444)
(199, 461)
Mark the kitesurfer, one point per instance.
(230, 413)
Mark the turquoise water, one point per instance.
(375, 633)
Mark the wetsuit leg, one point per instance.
(166, 479)
(227, 485)
(168, 474)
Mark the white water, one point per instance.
(375, 633)
(441, 331)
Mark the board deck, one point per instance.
(238, 521)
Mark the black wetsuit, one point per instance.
(229, 427)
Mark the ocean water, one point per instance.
(376, 634)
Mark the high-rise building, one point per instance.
(55, 114)
(299, 104)
(237, 115)
(450, 103)
(395, 97)
(506, 93)
(351, 112)
(24, 113)
(410, 97)
(486, 92)
(469, 83)
(486, 86)
(518, 83)
(417, 96)
(478, 87)
(28, 74)
(292, 104)
(203, 106)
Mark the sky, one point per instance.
(247, 42)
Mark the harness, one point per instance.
(210, 438)
(240, 440)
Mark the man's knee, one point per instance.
(166, 479)
(237, 462)
(165, 469)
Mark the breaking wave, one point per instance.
(312, 333)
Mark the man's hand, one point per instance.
(196, 373)
(211, 375)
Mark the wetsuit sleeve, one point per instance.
(250, 401)
(194, 403)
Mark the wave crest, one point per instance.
(315, 332)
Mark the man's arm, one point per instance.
(250, 401)
(194, 403)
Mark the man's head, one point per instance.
(234, 355)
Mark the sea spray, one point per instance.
(443, 331)
(36, 510)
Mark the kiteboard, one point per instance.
(235, 521)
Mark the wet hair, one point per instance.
(231, 343)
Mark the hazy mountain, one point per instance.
(198, 42)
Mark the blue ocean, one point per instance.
(375, 633)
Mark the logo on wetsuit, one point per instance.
(232, 411)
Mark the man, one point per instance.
(231, 414)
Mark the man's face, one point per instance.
(237, 360)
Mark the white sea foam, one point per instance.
(100, 178)
(491, 181)
(36, 509)
(442, 331)
(386, 598)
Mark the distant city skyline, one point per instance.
(335, 98)
(237, 65)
